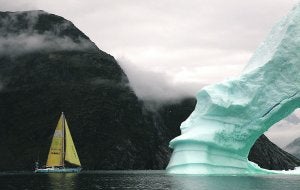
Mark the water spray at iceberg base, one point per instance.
(230, 116)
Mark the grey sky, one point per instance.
(190, 43)
(285, 131)
(170, 48)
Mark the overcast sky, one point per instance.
(283, 132)
(170, 48)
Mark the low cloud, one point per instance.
(175, 47)
(25, 43)
(157, 86)
(18, 35)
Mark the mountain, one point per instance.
(47, 66)
(166, 119)
(293, 148)
(53, 67)
(269, 156)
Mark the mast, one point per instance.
(63, 140)
(57, 152)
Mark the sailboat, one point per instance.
(62, 151)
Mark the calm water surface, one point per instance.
(143, 180)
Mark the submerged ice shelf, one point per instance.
(230, 116)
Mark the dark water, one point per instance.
(143, 180)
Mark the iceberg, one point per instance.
(231, 115)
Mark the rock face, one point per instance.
(57, 68)
(294, 148)
(48, 66)
(269, 156)
(230, 116)
(166, 120)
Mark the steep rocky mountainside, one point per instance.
(269, 156)
(294, 148)
(48, 66)
(71, 75)
(166, 121)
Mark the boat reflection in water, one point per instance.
(66, 181)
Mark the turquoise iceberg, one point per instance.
(230, 116)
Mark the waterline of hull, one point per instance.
(58, 170)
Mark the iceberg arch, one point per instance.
(230, 116)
